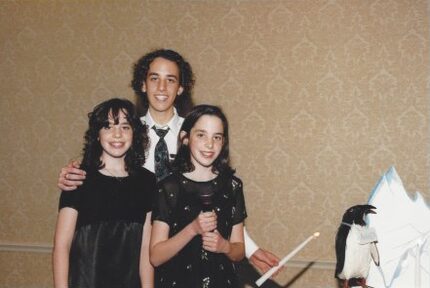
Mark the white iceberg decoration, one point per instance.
(402, 224)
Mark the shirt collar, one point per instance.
(172, 124)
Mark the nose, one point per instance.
(162, 85)
(210, 143)
(117, 133)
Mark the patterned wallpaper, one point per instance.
(322, 98)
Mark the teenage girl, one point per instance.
(103, 228)
(191, 248)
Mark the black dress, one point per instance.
(105, 249)
(178, 204)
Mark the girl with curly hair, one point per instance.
(103, 228)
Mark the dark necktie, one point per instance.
(161, 155)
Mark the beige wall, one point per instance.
(322, 97)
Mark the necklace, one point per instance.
(117, 177)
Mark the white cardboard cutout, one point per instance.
(402, 224)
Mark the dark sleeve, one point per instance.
(150, 191)
(239, 209)
(70, 199)
(165, 200)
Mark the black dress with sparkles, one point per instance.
(178, 203)
(105, 250)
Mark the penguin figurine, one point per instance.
(355, 247)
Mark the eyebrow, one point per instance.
(120, 121)
(168, 75)
(204, 131)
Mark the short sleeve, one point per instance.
(239, 210)
(70, 199)
(165, 200)
(149, 183)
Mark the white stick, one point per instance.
(284, 260)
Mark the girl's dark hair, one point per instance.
(183, 102)
(98, 119)
(182, 162)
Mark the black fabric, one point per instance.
(105, 250)
(161, 154)
(178, 203)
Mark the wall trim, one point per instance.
(33, 248)
(47, 248)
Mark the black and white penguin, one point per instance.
(355, 247)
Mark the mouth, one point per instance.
(117, 144)
(161, 97)
(207, 154)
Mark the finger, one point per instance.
(68, 185)
(209, 234)
(209, 214)
(65, 185)
(74, 177)
(210, 227)
(269, 258)
(75, 171)
(261, 266)
(206, 247)
(66, 188)
(73, 183)
(76, 164)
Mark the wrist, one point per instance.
(227, 246)
(191, 230)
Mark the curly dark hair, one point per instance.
(183, 102)
(182, 162)
(98, 119)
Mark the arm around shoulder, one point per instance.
(71, 176)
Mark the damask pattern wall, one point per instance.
(322, 97)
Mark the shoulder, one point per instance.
(235, 181)
(146, 119)
(144, 179)
(180, 121)
(171, 179)
(144, 173)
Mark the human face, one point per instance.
(205, 141)
(116, 139)
(162, 85)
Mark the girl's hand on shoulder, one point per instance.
(214, 242)
(205, 222)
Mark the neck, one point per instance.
(114, 165)
(161, 117)
(201, 174)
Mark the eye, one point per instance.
(200, 135)
(171, 80)
(153, 78)
(218, 138)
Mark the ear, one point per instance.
(180, 90)
(183, 137)
(144, 87)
